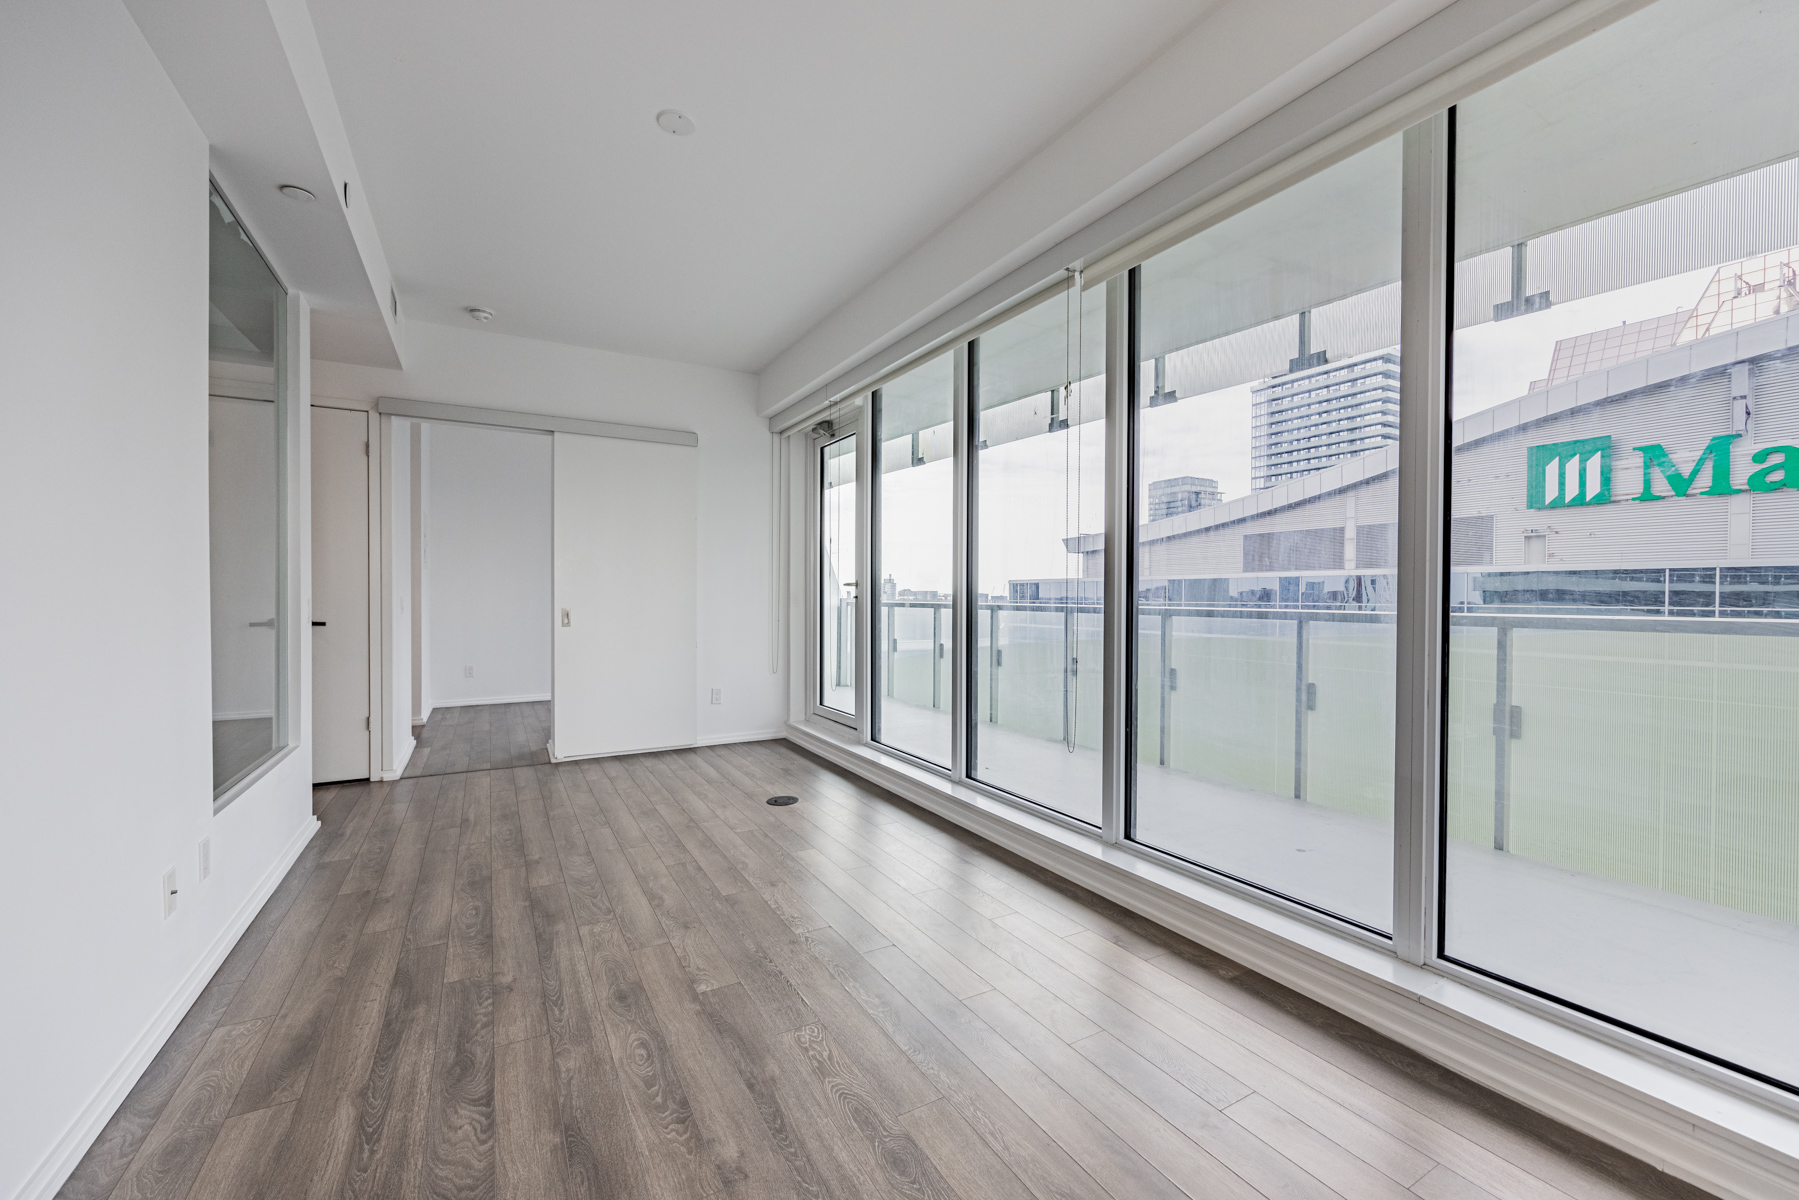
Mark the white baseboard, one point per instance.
(56, 1167)
(405, 759)
(716, 739)
(726, 739)
(1677, 1121)
(479, 700)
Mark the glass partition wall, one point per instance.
(1200, 462)
(247, 455)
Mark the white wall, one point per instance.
(106, 705)
(397, 597)
(488, 565)
(419, 465)
(464, 366)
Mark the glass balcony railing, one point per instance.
(1624, 724)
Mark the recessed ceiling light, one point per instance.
(675, 122)
(480, 314)
(294, 191)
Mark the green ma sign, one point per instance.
(1578, 473)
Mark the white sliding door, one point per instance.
(625, 595)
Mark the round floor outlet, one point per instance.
(777, 801)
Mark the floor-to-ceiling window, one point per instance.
(914, 556)
(1038, 498)
(1267, 435)
(247, 489)
(837, 575)
(1623, 804)
(1616, 553)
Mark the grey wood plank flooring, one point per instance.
(498, 977)
(481, 737)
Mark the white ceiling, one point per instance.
(512, 159)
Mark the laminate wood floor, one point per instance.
(630, 977)
(482, 737)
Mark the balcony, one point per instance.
(1622, 817)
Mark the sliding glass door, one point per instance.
(914, 516)
(1038, 487)
(837, 599)
(1267, 450)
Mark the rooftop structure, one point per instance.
(1604, 348)
(1745, 292)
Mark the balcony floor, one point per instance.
(1645, 956)
(630, 977)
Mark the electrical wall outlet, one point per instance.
(205, 859)
(169, 892)
(468, 672)
(718, 695)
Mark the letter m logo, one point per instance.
(1564, 474)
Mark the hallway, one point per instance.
(482, 737)
(630, 977)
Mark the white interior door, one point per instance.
(626, 549)
(340, 595)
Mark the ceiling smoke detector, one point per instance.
(294, 191)
(480, 314)
(675, 122)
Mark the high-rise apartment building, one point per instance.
(1184, 493)
(1317, 415)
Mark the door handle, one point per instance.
(318, 624)
(268, 624)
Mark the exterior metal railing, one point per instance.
(1054, 664)
(1509, 718)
